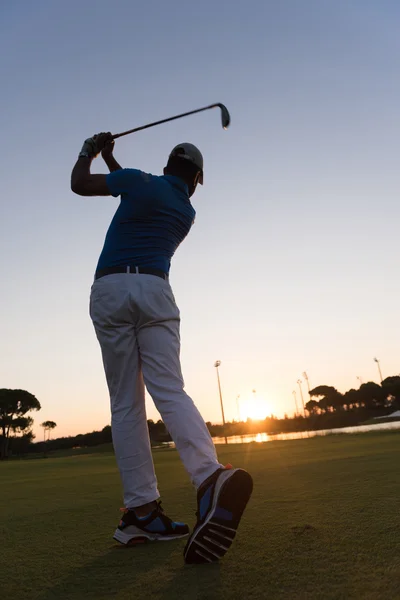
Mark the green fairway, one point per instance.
(323, 522)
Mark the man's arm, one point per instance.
(107, 154)
(82, 181)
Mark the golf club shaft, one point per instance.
(191, 112)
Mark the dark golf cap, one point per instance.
(189, 152)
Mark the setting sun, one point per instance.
(253, 408)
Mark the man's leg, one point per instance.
(222, 493)
(159, 343)
(116, 335)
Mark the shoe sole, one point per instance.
(129, 539)
(213, 538)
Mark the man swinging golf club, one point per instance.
(137, 324)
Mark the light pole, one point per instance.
(301, 396)
(379, 368)
(216, 365)
(295, 402)
(237, 407)
(308, 383)
(359, 379)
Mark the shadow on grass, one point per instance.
(116, 569)
(154, 571)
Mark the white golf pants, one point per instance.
(137, 324)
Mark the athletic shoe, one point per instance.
(221, 500)
(155, 526)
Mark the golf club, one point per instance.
(225, 119)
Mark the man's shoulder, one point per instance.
(145, 177)
(137, 173)
(130, 181)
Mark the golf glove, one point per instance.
(94, 145)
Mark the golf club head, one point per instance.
(225, 116)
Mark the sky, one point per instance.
(292, 264)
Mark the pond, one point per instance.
(298, 435)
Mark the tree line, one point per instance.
(327, 408)
(16, 436)
(325, 398)
(24, 444)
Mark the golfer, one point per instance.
(137, 324)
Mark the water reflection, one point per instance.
(298, 435)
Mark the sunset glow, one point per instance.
(254, 408)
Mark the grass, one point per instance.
(323, 523)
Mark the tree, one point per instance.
(336, 401)
(329, 397)
(391, 386)
(323, 403)
(44, 429)
(352, 399)
(372, 395)
(14, 405)
(23, 443)
(312, 407)
(47, 426)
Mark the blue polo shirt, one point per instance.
(152, 219)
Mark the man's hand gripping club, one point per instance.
(82, 181)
